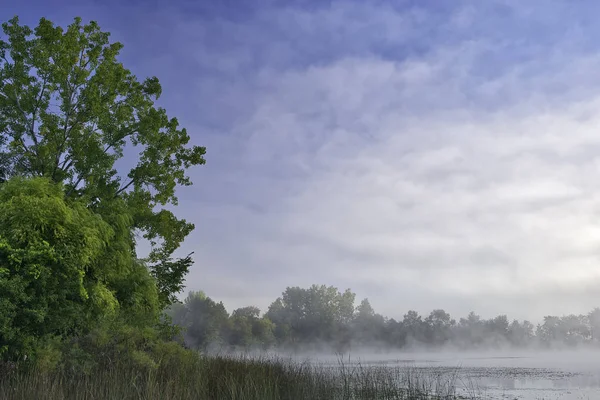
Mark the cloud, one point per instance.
(441, 157)
(422, 181)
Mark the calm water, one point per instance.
(563, 375)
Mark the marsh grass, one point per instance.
(236, 378)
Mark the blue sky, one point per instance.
(426, 154)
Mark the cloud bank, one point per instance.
(424, 157)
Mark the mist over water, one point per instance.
(482, 358)
(489, 374)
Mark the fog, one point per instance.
(322, 325)
(324, 318)
(526, 373)
(567, 360)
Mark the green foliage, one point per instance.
(248, 330)
(69, 274)
(60, 278)
(322, 318)
(263, 330)
(46, 248)
(69, 110)
(205, 324)
(169, 276)
(204, 320)
(313, 314)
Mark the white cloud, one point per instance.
(418, 182)
(424, 158)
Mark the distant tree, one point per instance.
(550, 332)
(368, 327)
(364, 310)
(594, 321)
(319, 314)
(439, 326)
(281, 316)
(204, 321)
(394, 333)
(263, 332)
(567, 330)
(246, 312)
(248, 329)
(309, 315)
(520, 334)
(345, 306)
(528, 331)
(575, 329)
(240, 331)
(497, 331)
(472, 329)
(414, 327)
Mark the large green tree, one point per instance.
(70, 110)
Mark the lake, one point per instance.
(567, 375)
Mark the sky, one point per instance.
(425, 154)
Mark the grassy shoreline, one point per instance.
(227, 377)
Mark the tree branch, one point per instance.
(124, 187)
(37, 105)
(114, 142)
(74, 186)
(66, 129)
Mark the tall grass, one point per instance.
(236, 378)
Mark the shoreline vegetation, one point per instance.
(238, 377)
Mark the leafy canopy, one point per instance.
(71, 118)
(69, 110)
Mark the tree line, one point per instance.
(310, 318)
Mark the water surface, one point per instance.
(566, 375)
